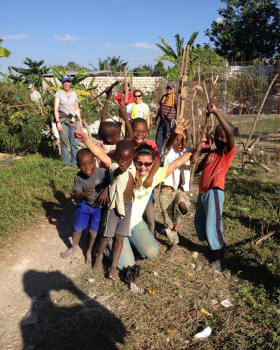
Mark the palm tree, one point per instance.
(114, 64)
(170, 54)
(175, 57)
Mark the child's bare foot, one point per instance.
(68, 252)
(98, 263)
(171, 249)
(88, 258)
(112, 273)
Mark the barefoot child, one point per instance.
(88, 184)
(174, 200)
(209, 207)
(117, 220)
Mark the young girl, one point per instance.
(174, 200)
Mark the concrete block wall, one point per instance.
(146, 84)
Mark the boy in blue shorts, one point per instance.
(88, 185)
(209, 208)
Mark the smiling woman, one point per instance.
(139, 109)
(141, 238)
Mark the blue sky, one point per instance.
(63, 31)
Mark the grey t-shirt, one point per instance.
(67, 101)
(99, 179)
(35, 96)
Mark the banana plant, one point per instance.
(4, 52)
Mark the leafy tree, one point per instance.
(30, 74)
(4, 52)
(70, 66)
(247, 28)
(206, 58)
(114, 64)
(143, 71)
(159, 70)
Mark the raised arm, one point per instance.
(177, 163)
(105, 108)
(225, 125)
(123, 115)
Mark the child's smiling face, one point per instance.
(86, 163)
(140, 131)
(179, 143)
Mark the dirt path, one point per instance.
(40, 302)
(36, 248)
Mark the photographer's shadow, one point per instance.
(61, 214)
(83, 325)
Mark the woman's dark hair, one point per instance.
(137, 90)
(144, 150)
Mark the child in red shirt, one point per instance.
(209, 208)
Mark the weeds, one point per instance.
(27, 186)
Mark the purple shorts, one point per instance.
(115, 224)
(86, 214)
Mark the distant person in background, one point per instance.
(67, 116)
(167, 114)
(35, 96)
(139, 109)
(120, 98)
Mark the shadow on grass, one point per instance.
(85, 324)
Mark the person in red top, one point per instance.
(120, 98)
(140, 130)
(209, 207)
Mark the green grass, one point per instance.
(27, 186)
(165, 320)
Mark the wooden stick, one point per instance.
(196, 151)
(111, 87)
(179, 87)
(259, 113)
(87, 127)
(125, 87)
(183, 87)
(256, 119)
(265, 237)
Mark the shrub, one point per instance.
(20, 119)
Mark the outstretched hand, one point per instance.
(79, 134)
(182, 127)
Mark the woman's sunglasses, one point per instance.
(146, 164)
